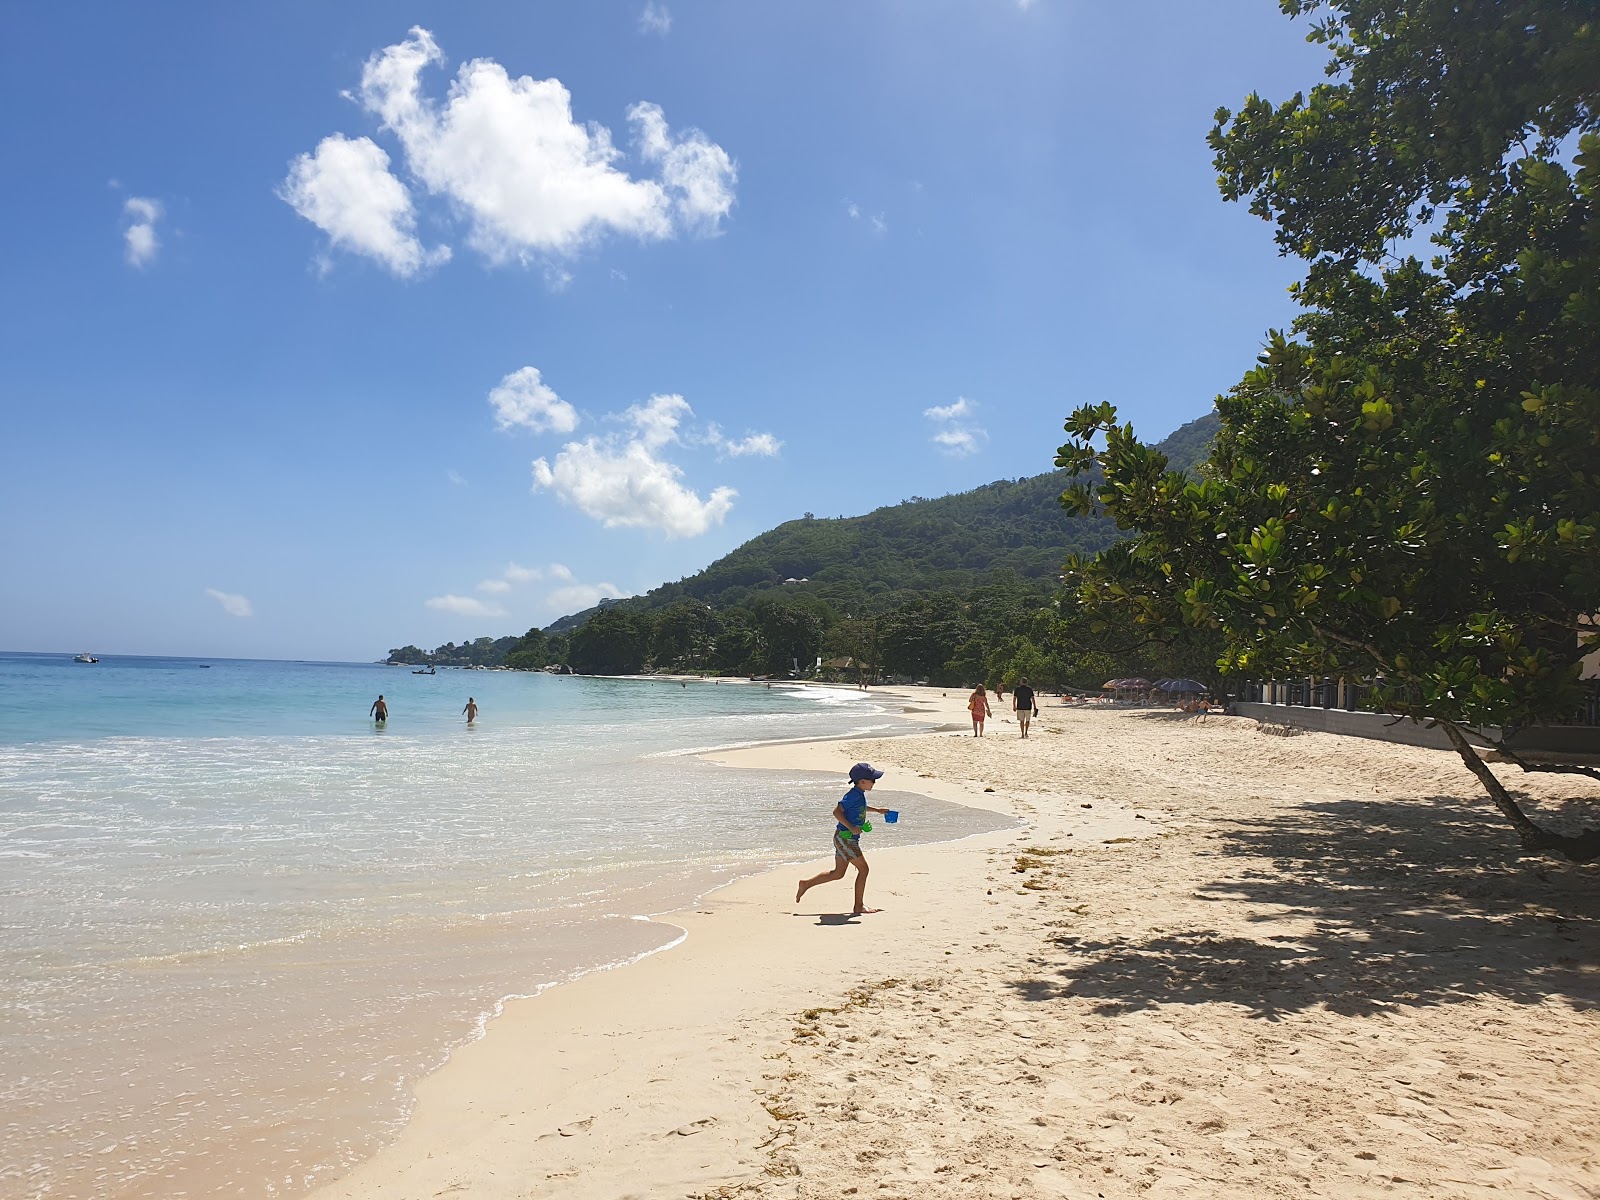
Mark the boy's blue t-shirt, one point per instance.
(855, 809)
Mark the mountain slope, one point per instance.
(952, 542)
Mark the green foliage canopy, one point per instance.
(1409, 492)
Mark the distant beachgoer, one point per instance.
(999, 691)
(978, 706)
(471, 710)
(379, 711)
(1027, 708)
(851, 816)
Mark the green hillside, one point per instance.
(1015, 527)
(954, 588)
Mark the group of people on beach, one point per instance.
(379, 712)
(1023, 702)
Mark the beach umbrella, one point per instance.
(1181, 685)
(1128, 685)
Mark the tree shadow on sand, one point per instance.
(1410, 904)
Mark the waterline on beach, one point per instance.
(229, 959)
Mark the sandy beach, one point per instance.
(1207, 962)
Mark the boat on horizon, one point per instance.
(85, 658)
(429, 671)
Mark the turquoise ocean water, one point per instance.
(238, 922)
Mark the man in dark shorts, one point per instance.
(850, 814)
(379, 711)
(1027, 708)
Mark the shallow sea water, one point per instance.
(238, 923)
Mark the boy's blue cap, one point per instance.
(863, 771)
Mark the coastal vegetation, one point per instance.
(956, 589)
(1406, 488)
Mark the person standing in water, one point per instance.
(379, 711)
(851, 815)
(978, 706)
(471, 710)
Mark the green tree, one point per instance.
(614, 641)
(1409, 491)
(791, 630)
(685, 635)
(530, 652)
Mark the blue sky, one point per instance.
(328, 328)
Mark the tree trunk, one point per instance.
(1583, 847)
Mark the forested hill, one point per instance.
(919, 545)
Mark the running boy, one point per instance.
(851, 814)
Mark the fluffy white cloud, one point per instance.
(579, 596)
(955, 434)
(523, 398)
(760, 445)
(624, 481)
(232, 603)
(950, 412)
(454, 477)
(655, 18)
(527, 177)
(345, 189)
(498, 587)
(464, 606)
(657, 419)
(516, 574)
(696, 171)
(139, 242)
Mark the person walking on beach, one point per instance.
(978, 706)
(851, 817)
(471, 710)
(1027, 708)
(379, 711)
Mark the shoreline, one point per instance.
(442, 1146)
(1207, 963)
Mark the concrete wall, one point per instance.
(1578, 741)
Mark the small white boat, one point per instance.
(84, 658)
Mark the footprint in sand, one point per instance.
(695, 1127)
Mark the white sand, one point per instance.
(1214, 964)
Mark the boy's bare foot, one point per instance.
(861, 912)
(800, 891)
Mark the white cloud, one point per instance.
(526, 177)
(879, 224)
(698, 172)
(624, 481)
(464, 606)
(140, 244)
(655, 18)
(761, 445)
(523, 398)
(455, 477)
(498, 587)
(232, 603)
(516, 574)
(657, 419)
(345, 189)
(955, 435)
(579, 596)
(959, 442)
(950, 412)
(562, 572)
